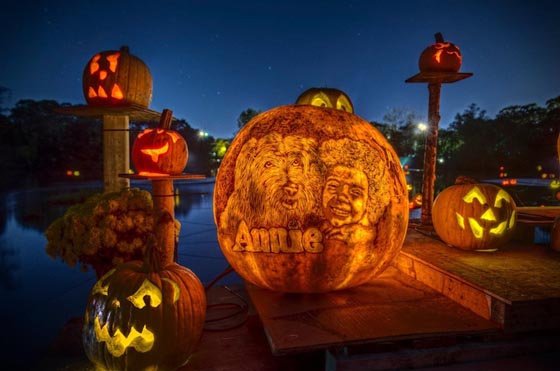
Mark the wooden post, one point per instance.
(430, 154)
(116, 154)
(164, 218)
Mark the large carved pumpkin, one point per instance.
(309, 199)
(142, 317)
(440, 57)
(117, 78)
(326, 97)
(160, 151)
(474, 216)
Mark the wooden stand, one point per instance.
(434, 80)
(116, 151)
(164, 211)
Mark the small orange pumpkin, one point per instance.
(160, 151)
(326, 97)
(440, 57)
(474, 216)
(140, 316)
(117, 78)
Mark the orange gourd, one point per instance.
(117, 78)
(310, 199)
(160, 151)
(440, 57)
(474, 216)
(140, 316)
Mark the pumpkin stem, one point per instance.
(462, 179)
(152, 257)
(165, 119)
(124, 49)
(439, 37)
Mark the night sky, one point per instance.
(210, 60)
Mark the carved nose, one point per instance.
(291, 189)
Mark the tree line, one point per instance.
(39, 145)
(519, 141)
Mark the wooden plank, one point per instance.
(392, 307)
(134, 112)
(517, 286)
(439, 77)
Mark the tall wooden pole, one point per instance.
(164, 218)
(430, 154)
(116, 154)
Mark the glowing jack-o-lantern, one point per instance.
(440, 57)
(326, 97)
(117, 78)
(160, 151)
(310, 199)
(141, 317)
(474, 216)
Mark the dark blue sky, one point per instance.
(210, 60)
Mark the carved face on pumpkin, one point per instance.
(327, 98)
(159, 152)
(117, 78)
(135, 319)
(440, 57)
(310, 199)
(474, 216)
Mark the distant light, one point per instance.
(76, 172)
(202, 134)
(422, 127)
(441, 160)
(69, 172)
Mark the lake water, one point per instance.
(39, 295)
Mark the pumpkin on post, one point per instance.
(310, 199)
(160, 151)
(143, 316)
(440, 57)
(117, 78)
(474, 216)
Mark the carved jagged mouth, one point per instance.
(118, 343)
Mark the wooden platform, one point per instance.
(517, 286)
(393, 307)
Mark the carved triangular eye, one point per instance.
(117, 92)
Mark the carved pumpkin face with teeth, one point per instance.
(138, 318)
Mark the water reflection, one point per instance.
(40, 295)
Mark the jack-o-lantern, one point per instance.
(440, 57)
(160, 151)
(326, 97)
(474, 216)
(117, 78)
(143, 317)
(309, 199)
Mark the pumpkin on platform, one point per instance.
(326, 97)
(440, 57)
(474, 216)
(141, 316)
(160, 151)
(117, 78)
(310, 199)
